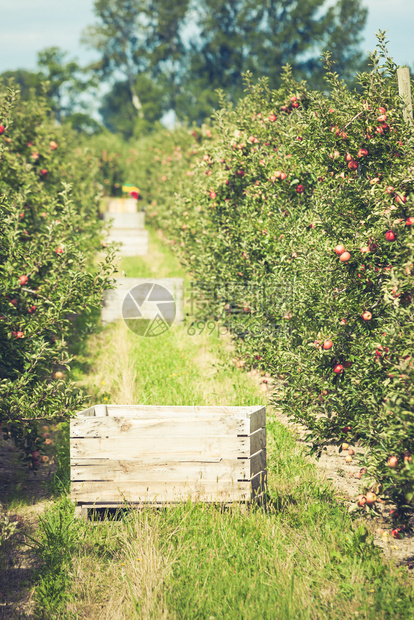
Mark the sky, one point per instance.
(31, 25)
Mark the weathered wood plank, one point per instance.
(257, 441)
(113, 300)
(142, 471)
(258, 484)
(167, 471)
(159, 492)
(256, 416)
(207, 449)
(131, 428)
(121, 205)
(126, 220)
(257, 463)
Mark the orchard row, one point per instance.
(307, 197)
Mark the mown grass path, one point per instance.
(304, 557)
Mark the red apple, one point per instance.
(272, 117)
(362, 500)
(213, 195)
(43, 172)
(348, 157)
(59, 250)
(390, 235)
(353, 165)
(300, 189)
(402, 199)
(283, 176)
(344, 258)
(339, 249)
(327, 345)
(396, 533)
(362, 153)
(392, 462)
(23, 280)
(409, 221)
(36, 454)
(366, 316)
(53, 145)
(338, 369)
(1, 129)
(371, 498)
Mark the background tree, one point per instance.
(139, 41)
(236, 36)
(63, 82)
(119, 114)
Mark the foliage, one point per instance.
(49, 236)
(190, 49)
(119, 114)
(62, 82)
(280, 181)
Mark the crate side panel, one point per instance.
(258, 484)
(159, 491)
(167, 471)
(208, 449)
(258, 419)
(257, 441)
(131, 428)
(257, 463)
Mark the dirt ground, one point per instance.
(23, 496)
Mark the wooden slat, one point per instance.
(257, 463)
(207, 449)
(258, 484)
(115, 471)
(257, 441)
(118, 470)
(254, 417)
(131, 428)
(159, 492)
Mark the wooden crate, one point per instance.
(114, 298)
(125, 220)
(134, 241)
(149, 454)
(121, 205)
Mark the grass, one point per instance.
(304, 557)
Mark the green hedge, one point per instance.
(258, 205)
(49, 236)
